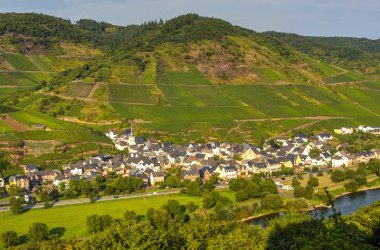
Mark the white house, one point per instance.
(111, 134)
(339, 160)
(344, 131)
(228, 172)
(324, 137)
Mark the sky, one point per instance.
(355, 18)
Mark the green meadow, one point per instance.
(73, 217)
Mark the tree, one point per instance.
(130, 215)
(272, 201)
(313, 182)
(299, 192)
(338, 176)
(295, 182)
(209, 185)
(238, 184)
(194, 188)
(173, 181)
(98, 223)
(208, 201)
(241, 195)
(269, 186)
(191, 207)
(253, 190)
(16, 205)
(38, 232)
(351, 186)
(360, 179)
(10, 239)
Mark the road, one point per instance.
(100, 199)
(86, 200)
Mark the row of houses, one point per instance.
(362, 128)
(150, 160)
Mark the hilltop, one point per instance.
(191, 78)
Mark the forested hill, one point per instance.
(353, 53)
(224, 53)
(350, 42)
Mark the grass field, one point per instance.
(80, 89)
(20, 62)
(73, 217)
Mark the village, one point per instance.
(149, 160)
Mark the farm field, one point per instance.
(327, 69)
(73, 217)
(29, 117)
(20, 62)
(347, 77)
(80, 89)
(182, 95)
(130, 93)
(23, 78)
(193, 77)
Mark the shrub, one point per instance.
(10, 239)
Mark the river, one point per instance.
(345, 204)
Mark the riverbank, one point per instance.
(313, 207)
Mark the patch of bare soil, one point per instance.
(13, 123)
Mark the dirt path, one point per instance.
(89, 96)
(292, 118)
(13, 123)
(75, 120)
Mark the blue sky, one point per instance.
(358, 18)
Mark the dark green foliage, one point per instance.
(10, 239)
(338, 176)
(272, 201)
(173, 181)
(191, 207)
(241, 195)
(351, 186)
(98, 223)
(130, 215)
(295, 182)
(194, 187)
(38, 232)
(313, 182)
(351, 57)
(40, 30)
(16, 205)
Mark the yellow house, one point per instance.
(250, 154)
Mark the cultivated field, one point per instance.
(80, 89)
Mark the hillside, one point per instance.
(350, 53)
(188, 79)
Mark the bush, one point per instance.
(38, 232)
(10, 239)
